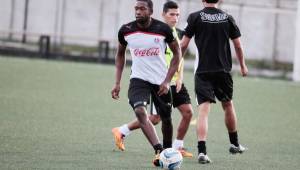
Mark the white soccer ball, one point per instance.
(170, 159)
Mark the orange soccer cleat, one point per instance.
(119, 141)
(185, 153)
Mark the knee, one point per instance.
(139, 110)
(188, 114)
(141, 114)
(155, 119)
(227, 104)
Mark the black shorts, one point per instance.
(180, 98)
(211, 85)
(139, 93)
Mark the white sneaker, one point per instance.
(203, 159)
(234, 149)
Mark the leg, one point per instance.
(231, 124)
(202, 129)
(139, 93)
(230, 116)
(126, 129)
(202, 125)
(224, 92)
(164, 108)
(205, 95)
(121, 132)
(187, 114)
(149, 131)
(167, 131)
(146, 125)
(182, 101)
(155, 119)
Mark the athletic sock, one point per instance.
(201, 147)
(125, 130)
(158, 148)
(167, 144)
(233, 137)
(177, 144)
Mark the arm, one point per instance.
(184, 43)
(120, 62)
(240, 55)
(180, 75)
(164, 87)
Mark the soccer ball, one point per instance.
(170, 159)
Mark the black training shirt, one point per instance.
(212, 29)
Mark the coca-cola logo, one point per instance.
(146, 52)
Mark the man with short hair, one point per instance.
(147, 39)
(180, 96)
(212, 29)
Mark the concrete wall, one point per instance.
(296, 74)
(268, 26)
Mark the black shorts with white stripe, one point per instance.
(139, 93)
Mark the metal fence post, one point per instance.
(44, 46)
(104, 51)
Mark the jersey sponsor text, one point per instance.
(146, 52)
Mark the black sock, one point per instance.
(167, 144)
(233, 137)
(201, 147)
(158, 148)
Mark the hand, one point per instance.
(244, 70)
(163, 88)
(115, 91)
(178, 85)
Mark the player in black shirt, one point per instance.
(212, 29)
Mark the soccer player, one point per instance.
(147, 39)
(180, 97)
(212, 29)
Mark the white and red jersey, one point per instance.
(147, 48)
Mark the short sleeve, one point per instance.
(189, 29)
(169, 35)
(121, 36)
(234, 31)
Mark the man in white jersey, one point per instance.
(147, 39)
(180, 96)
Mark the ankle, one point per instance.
(202, 147)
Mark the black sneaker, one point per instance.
(203, 159)
(237, 149)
